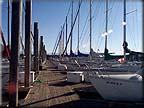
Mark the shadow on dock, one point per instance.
(62, 83)
(66, 94)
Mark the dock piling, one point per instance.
(36, 60)
(28, 41)
(15, 34)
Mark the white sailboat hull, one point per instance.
(115, 88)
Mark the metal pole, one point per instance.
(15, 33)
(62, 41)
(28, 41)
(78, 28)
(90, 26)
(36, 63)
(124, 28)
(106, 24)
(66, 33)
(71, 28)
(8, 24)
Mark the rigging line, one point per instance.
(59, 38)
(134, 32)
(137, 27)
(131, 32)
(86, 32)
(67, 14)
(84, 25)
(55, 43)
(101, 28)
(87, 38)
(72, 28)
(69, 9)
(111, 5)
(78, 28)
(100, 43)
(132, 29)
(100, 38)
(23, 48)
(32, 37)
(110, 14)
(58, 42)
(97, 11)
(23, 19)
(115, 18)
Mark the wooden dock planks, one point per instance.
(52, 90)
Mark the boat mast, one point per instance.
(62, 39)
(71, 28)
(9, 24)
(90, 25)
(124, 28)
(106, 32)
(78, 27)
(66, 33)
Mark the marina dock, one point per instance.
(51, 90)
(41, 69)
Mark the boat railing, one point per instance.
(91, 72)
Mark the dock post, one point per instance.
(28, 41)
(44, 54)
(40, 52)
(15, 33)
(36, 61)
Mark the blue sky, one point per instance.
(50, 15)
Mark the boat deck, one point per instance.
(52, 90)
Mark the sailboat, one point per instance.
(120, 62)
(119, 87)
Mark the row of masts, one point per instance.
(90, 35)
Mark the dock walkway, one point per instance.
(52, 90)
